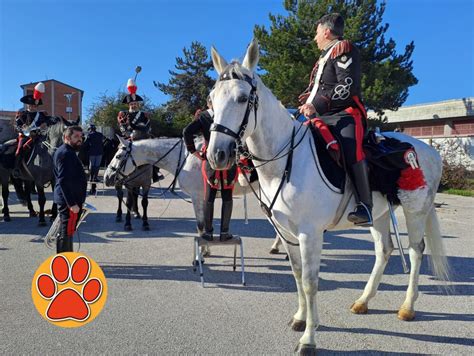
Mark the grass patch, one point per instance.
(463, 192)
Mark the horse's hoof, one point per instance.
(274, 251)
(137, 216)
(359, 308)
(146, 228)
(305, 350)
(128, 228)
(206, 253)
(297, 325)
(118, 219)
(406, 315)
(7, 218)
(33, 214)
(48, 212)
(42, 223)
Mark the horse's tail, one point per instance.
(434, 241)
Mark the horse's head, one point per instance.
(122, 165)
(234, 101)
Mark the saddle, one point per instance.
(387, 158)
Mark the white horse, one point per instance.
(305, 206)
(169, 154)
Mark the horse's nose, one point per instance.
(221, 157)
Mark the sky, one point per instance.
(95, 45)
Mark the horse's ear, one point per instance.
(123, 141)
(219, 62)
(252, 56)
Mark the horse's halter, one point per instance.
(120, 177)
(252, 103)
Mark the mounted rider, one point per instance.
(333, 98)
(29, 125)
(134, 124)
(213, 180)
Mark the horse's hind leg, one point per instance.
(416, 230)
(5, 194)
(145, 225)
(29, 204)
(41, 202)
(136, 213)
(383, 248)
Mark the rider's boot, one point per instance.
(225, 220)
(362, 215)
(18, 162)
(208, 217)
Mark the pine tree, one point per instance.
(288, 51)
(189, 84)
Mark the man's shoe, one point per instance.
(226, 236)
(207, 236)
(362, 216)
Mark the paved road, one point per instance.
(156, 304)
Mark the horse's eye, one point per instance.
(242, 99)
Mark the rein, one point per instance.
(252, 104)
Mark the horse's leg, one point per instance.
(383, 248)
(129, 204)
(298, 322)
(119, 190)
(29, 204)
(276, 245)
(145, 225)
(311, 243)
(41, 202)
(136, 213)
(5, 194)
(20, 191)
(54, 207)
(416, 230)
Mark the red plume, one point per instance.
(132, 89)
(37, 94)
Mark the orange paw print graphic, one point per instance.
(69, 289)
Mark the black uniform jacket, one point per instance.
(27, 118)
(200, 126)
(71, 182)
(340, 80)
(94, 144)
(129, 121)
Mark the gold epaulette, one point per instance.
(342, 47)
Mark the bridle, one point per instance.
(120, 177)
(252, 105)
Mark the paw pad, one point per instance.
(69, 288)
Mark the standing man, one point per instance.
(213, 180)
(95, 149)
(71, 186)
(333, 99)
